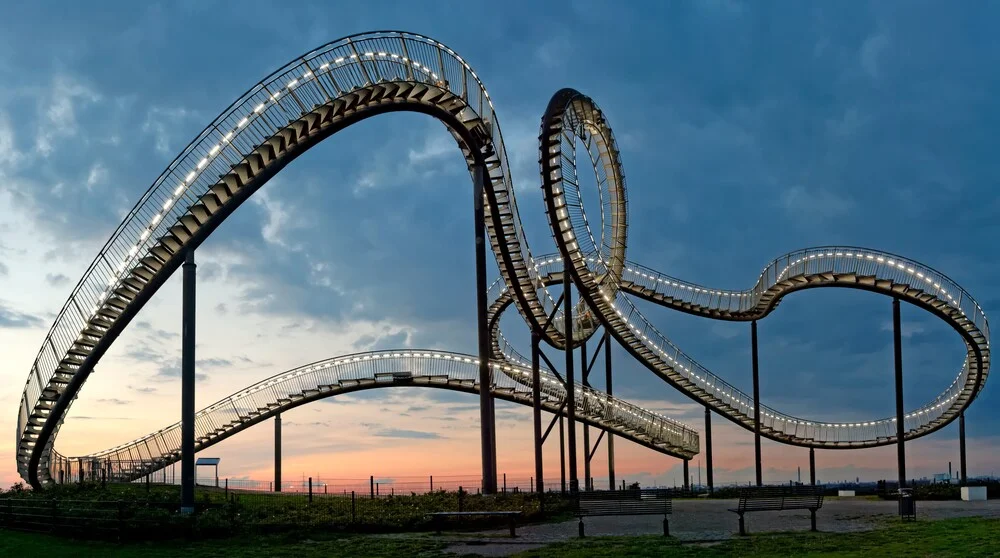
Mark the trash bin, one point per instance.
(907, 504)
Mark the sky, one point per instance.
(746, 131)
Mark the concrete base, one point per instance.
(973, 493)
(843, 493)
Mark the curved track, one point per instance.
(361, 76)
(572, 119)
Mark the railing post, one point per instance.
(354, 508)
(432, 483)
(371, 485)
(227, 488)
(310, 490)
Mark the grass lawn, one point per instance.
(967, 537)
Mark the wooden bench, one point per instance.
(624, 502)
(778, 498)
(438, 517)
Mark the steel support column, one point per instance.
(586, 428)
(487, 424)
(570, 387)
(812, 466)
(611, 437)
(277, 453)
(897, 345)
(187, 383)
(687, 475)
(562, 453)
(756, 403)
(961, 448)
(536, 408)
(708, 449)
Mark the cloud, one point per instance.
(142, 389)
(10, 318)
(9, 155)
(907, 329)
(871, 51)
(411, 434)
(814, 203)
(59, 111)
(113, 401)
(57, 279)
(98, 175)
(163, 124)
(4, 270)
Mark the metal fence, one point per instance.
(152, 511)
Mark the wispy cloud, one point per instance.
(10, 318)
(403, 433)
(65, 96)
(57, 279)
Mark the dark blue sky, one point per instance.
(746, 130)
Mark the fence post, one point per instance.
(371, 485)
(324, 489)
(310, 490)
(461, 496)
(432, 483)
(531, 484)
(505, 482)
(376, 489)
(354, 509)
(227, 488)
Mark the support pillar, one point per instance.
(812, 466)
(897, 344)
(687, 475)
(611, 437)
(586, 428)
(756, 403)
(487, 423)
(708, 449)
(277, 453)
(961, 448)
(536, 407)
(562, 453)
(187, 384)
(570, 385)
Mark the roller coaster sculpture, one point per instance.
(345, 81)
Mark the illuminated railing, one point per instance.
(371, 370)
(815, 267)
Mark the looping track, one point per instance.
(357, 77)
